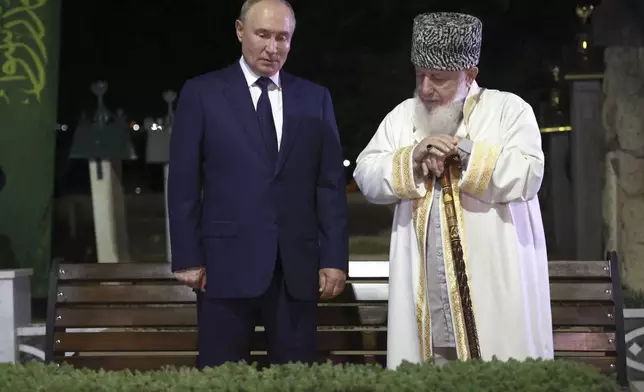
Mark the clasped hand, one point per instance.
(430, 154)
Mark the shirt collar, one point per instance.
(474, 90)
(251, 77)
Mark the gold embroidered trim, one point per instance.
(420, 214)
(396, 170)
(474, 166)
(473, 172)
(404, 183)
(408, 175)
(470, 104)
(488, 169)
(480, 168)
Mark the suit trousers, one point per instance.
(226, 327)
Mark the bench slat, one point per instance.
(142, 271)
(357, 269)
(328, 340)
(78, 317)
(185, 316)
(601, 292)
(125, 341)
(584, 341)
(581, 316)
(579, 269)
(108, 272)
(373, 291)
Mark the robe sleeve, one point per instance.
(384, 169)
(512, 170)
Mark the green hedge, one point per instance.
(495, 376)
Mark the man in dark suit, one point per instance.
(256, 197)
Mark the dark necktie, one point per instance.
(265, 116)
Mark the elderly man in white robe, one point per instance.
(493, 298)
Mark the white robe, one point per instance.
(501, 231)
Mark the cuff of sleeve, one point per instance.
(405, 184)
(465, 145)
(464, 151)
(480, 166)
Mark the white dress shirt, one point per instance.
(274, 95)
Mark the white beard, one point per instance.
(443, 120)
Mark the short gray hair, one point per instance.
(248, 4)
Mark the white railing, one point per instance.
(15, 316)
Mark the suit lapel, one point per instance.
(238, 94)
(291, 118)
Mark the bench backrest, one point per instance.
(136, 316)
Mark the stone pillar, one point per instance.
(560, 198)
(618, 27)
(623, 118)
(587, 177)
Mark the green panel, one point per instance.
(29, 51)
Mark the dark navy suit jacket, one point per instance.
(231, 211)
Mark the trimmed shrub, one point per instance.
(493, 376)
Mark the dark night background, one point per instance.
(359, 49)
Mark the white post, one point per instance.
(167, 217)
(108, 204)
(15, 310)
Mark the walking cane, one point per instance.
(457, 255)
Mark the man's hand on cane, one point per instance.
(194, 277)
(430, 154)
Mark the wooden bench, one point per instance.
(136, 316)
